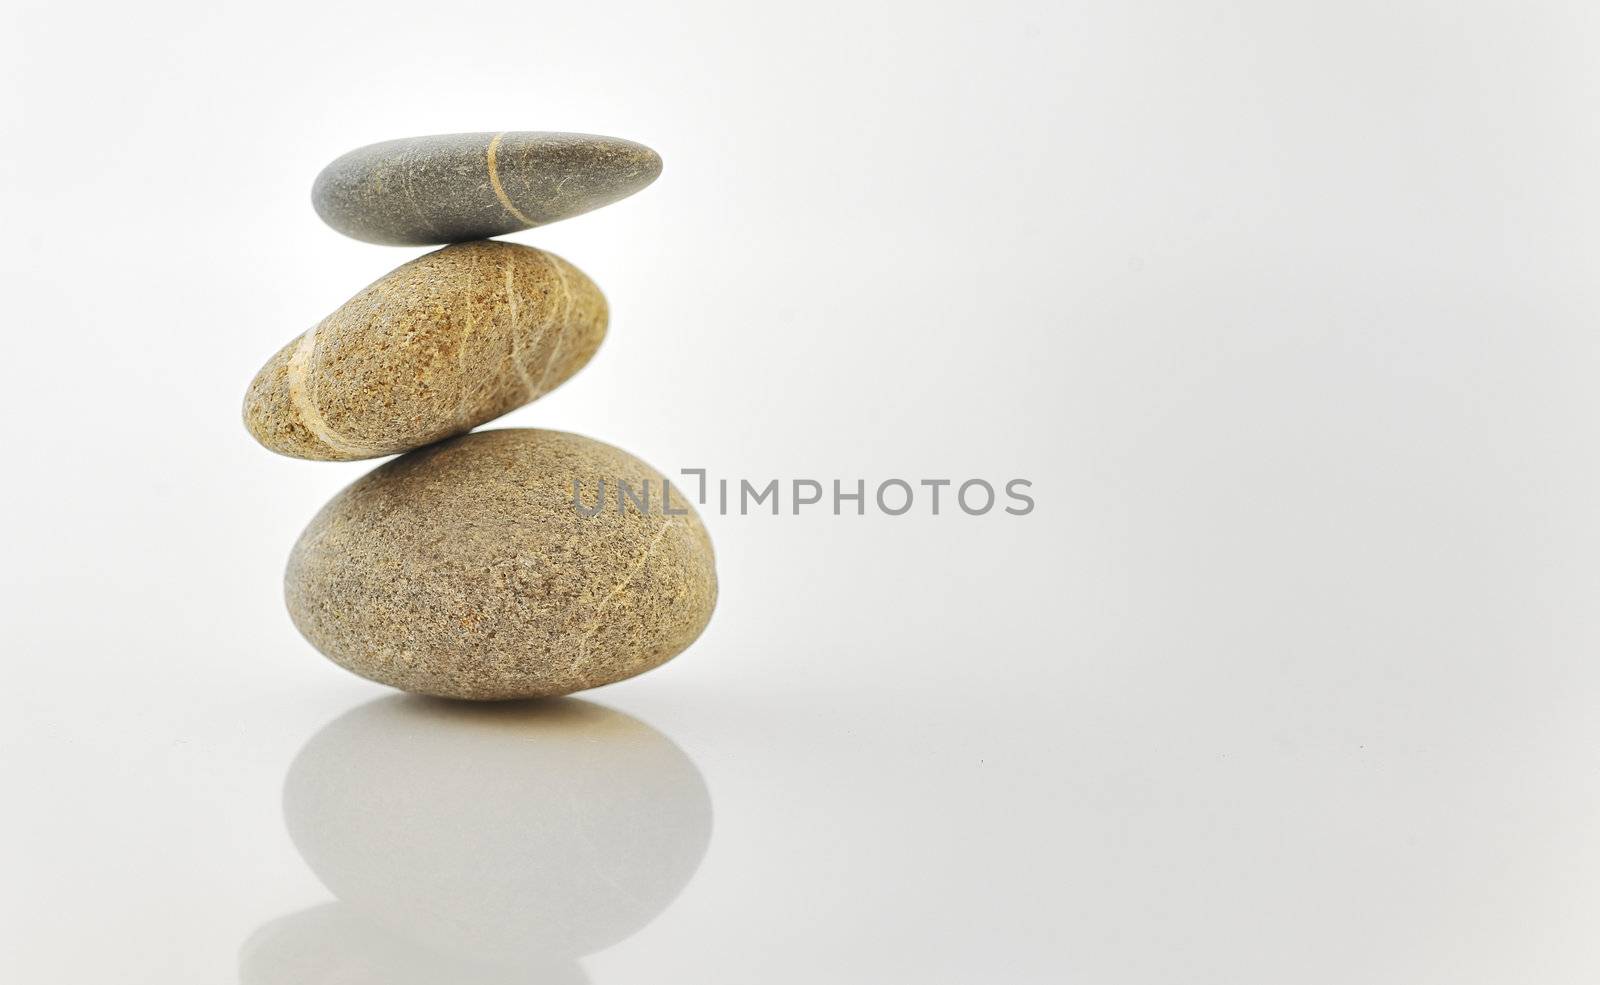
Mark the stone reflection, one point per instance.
(480, 844)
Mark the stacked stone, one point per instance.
(464, 568)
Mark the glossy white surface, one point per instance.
(1287, 310)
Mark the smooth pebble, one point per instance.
(454, 187)
(464, 569)
(435, 348)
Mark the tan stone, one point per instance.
(464, 570)
(434, 348)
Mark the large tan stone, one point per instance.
(464, 570)
(434, 348)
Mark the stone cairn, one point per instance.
(465, 568)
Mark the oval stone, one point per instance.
(467, 569)
(434, 348)
(455, 187)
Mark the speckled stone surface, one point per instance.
(455, 187)
(463, 570)
(436, 347)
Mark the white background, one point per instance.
(1287, 309)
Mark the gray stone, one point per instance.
(450, 188)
